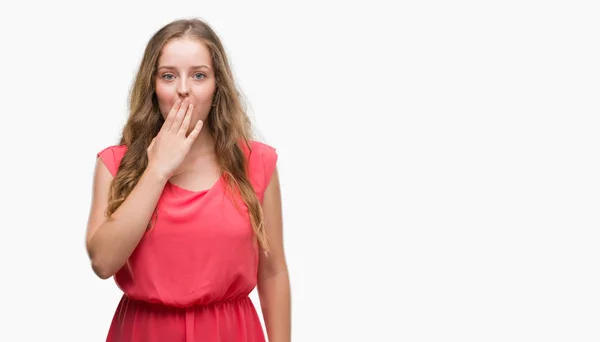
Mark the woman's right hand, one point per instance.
(170, 146)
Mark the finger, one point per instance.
(180, 115)
(171, 116)
(194, 134)
(186, 120)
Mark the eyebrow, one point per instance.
(193, 67)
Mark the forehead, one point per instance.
(185, 52)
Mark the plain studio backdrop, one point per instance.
(438, 161)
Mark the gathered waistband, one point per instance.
(140, 317)
(167, 306)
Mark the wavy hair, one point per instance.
(227, 122)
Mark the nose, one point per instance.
(183, 88)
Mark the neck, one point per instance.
(203, 145)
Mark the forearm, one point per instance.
(275, 301)
(114, 241)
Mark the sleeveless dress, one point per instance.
(190, 276)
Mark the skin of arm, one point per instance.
(110, 242)
(273, 280)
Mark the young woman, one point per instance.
(186, 209)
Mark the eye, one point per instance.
(166, 77)
(199, 76)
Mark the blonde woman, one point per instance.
(186, 209)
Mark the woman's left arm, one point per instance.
(273, 280)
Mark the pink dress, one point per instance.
(190, 276)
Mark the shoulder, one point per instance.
(261, 148)
(116, 149)
(261, 153)
(262, 160)
(111, 156)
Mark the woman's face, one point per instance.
(185, 71)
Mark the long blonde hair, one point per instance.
(227, 122)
